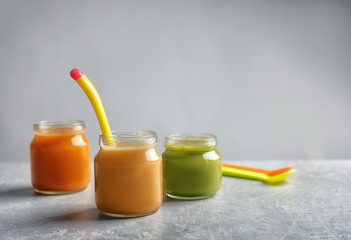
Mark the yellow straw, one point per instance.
(94, 98)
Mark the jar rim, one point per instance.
(191, 141)
(57, 126)
(129, 138)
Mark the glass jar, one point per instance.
(60, 161)
(191, 166)
(128, 174)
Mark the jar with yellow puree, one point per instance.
(191, 166)
(128, 174)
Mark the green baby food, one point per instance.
(190, 171)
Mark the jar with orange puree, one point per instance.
(191, 166)
(128, 174)
(60, 161)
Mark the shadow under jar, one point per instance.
(60, 160)
(191, 166)
(128, 174)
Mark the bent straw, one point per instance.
(94, 98)
(259, 170)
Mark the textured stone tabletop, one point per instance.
(315, 203)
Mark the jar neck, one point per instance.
(129, 139)
(190, 148)
(59, 127)
(191, 142)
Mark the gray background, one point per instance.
(270, 78)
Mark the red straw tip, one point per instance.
(76, 73)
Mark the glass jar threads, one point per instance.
(60, 161)
(128, 174)
(191, 166)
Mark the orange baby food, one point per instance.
(128, 179)
(60, 160)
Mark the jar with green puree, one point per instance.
(191, 166)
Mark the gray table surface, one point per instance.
(315, 203)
